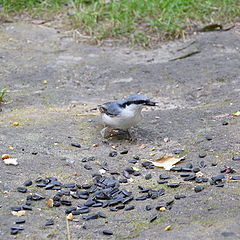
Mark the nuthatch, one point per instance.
(126, 113)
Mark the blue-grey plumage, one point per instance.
(125, 113)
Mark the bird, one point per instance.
(124, 113)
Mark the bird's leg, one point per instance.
(106, 132)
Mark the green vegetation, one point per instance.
(140, 21)
(2, 94)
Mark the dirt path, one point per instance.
(54, 83)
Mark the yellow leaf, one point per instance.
(15, 124)
(236, 114)
(162, 209)
(167, 162)
(45, 82)
(10, 147)
(18, 213)
(70, 217)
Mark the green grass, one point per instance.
(138, 21)
(3, 94)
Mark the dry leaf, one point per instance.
(236, 114)
(167, 162)
(5, 156)
(10, 161)
(50, 203)
(18, 213)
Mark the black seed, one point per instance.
(66, 202)
(113, 209)
(76, 145)
(49, 223)
(87, 167)
(49, 186)
(185, 174)
(129, 207)
(204, 179)
(130, 170)
(209, 138)
(84, 159)
(86, 186)
(142, 198)
(148, 176)
(202, 164)
(164, 176)
(237, 158)
(148, 207)
(83, 196)
(14, 232)
(126, 174)
(126, 193)
(123, 180)
(136, 173)
(56, 188)
(26, 207)
(162, 181)
(169, 203)
(98, 204)
(179, 196)
(128, 199)
(16, 208)
(235, 177)
(83, 210)
(112, 154)
(173, 185)
(56, 204)
(185, 169)
(91, 158)
(124, 152)
(190, 178)
(189, 165)
(69, 210)
(132, 161)
(22, 189)
(147, 164)
(136, 157)
(90, 217)
(176, 169)
(218, 178)
(19, 228)
(219, 184)
(202, 155)
(20, 221)
(195, 170)
(56, 198)
(228, 234)
(198, 179)
(198, 189)
(27, 183)
(65, 192)
(37, 196)
(84, 227)
(69, 185)
(224, 123)
(41, 185)
(102, 215)
(178, 151)
(107, 232)
(214, 164)
(153, 218)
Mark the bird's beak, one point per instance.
(150, 103)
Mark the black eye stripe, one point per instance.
(133, 102)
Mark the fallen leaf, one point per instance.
(162, 209)
(211, 27)
(70, 217)
(152, 154)
(167, 162)
(10, 161)
(45, 82)
(15, 124)
(18, 213)
(236, 114)
(167, 228)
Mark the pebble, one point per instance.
(179, 196)
(148, 176)
(178, 151)
(148, 207)
(28, 183)
(173, 185)
(22, 189)
(112, 154)
(202, 155)
(20, 221)
(228, 234)
(77, 145)
(16, 208)
(133, 161)
(107, 232)
(49, 223)
(209, 138)
(198, 189)
(87, 167)
(124, 152)
(237, 158)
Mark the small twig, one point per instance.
(185, 56)
(180, 49)
(68, 231)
